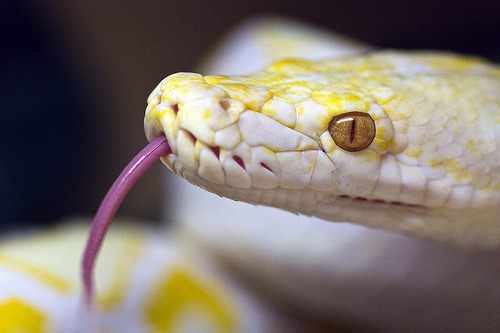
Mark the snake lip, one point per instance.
(380, 202)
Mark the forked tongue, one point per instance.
(113, 199)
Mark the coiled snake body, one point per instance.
(297, 136)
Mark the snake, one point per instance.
(403, 141)
(395, 140)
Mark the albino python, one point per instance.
(396, 140)
(428, 168)
(401, 141)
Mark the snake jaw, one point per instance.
(264, 139)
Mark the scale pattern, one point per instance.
(432, 170)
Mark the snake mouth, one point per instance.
(342, 199)
(379, 202)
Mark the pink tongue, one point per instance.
(113, 199)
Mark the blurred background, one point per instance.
(74, 78)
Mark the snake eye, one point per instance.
(352, 131)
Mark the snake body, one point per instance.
(432, 169)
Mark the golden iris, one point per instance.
(352, 131)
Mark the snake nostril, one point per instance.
(225, 103)
(175, 107)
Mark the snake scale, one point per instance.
(404, 141)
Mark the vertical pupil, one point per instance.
(353, 130)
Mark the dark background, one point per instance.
(74, 77)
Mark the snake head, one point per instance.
(385, 140)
